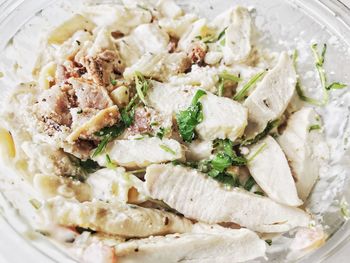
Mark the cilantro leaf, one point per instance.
(220, 162)
(188, 119)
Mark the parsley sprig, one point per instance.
(188, 119)
(326, 87)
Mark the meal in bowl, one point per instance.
(153, 135)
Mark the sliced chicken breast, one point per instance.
(270, 169)
(114, 218)
(272, 95)
(133, 46)
(90, 95)
(205, 244)
(202, 198)
(305, 147)
(116, 184)
(141, 152)
(238, 37)
(223, 117)
(199, 150)
(159, 66)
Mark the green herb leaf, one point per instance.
(336, 85)
(314, 127)
(268, 241)
(344, 209)
(142, 86)
(109, 163)
(127, 117)
(35, 203)
(228, 179)
(108, 135)
(243, 92)
(167, 149)
(225, 146)
(269, 127)
(113, 82)
(220, 162)
(319, 63)
(261, 148)
(222, 33)
(197, 96)
(229, 77)
(187, 120)
(223, 77)
(89, 165)
(162, 132)
(249, 183)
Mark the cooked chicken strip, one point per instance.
(141, 153)
(133, 46)
(159, 66)
(238, 37)
(271, 171)
(114, 218)
(90, 95)
(116, 184)
(53, 106)
(202, 198)
(305, 148)
(272, 95)
(204, 244)
(199, 150)
(223, 117)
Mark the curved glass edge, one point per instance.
(11, 10)
(321, 10)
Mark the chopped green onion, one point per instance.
(227, 76)
(167, 149)
(261, 148)
(319, 59)
(110, 164)
(223, 77)
(344, 209)
(142, 86)
(314, 127)
(242, 93)
(35, 203)
(336, 85)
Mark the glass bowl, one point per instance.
(283, 24)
